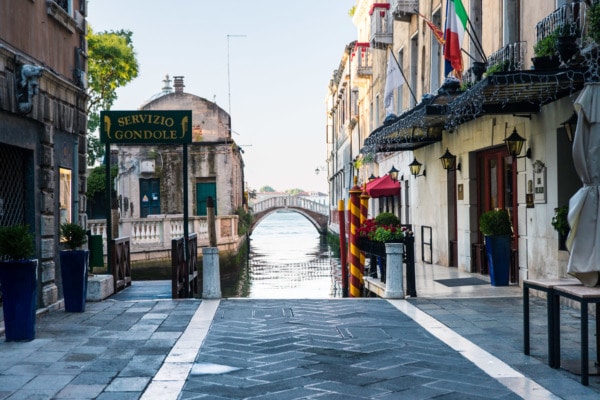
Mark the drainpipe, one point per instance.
(75, 184)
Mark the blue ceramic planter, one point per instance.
(73, 271)
(498, 256)
(19, 293)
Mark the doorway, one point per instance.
(149, 197)
(204, 190)
(497, 177)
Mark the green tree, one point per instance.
(266, 189)
(112, 63)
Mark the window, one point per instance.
(377, 110)
(65, 195)
(414, 71)
(436, 56)
(66, 5)
(400, 96)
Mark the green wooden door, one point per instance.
(149, 197)
(203, 191)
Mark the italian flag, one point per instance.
(456, 24)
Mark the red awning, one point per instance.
(383, 186)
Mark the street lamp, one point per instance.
(393, 173)
(514, 144)
(449, 161)
(415, 168)
(372, 178)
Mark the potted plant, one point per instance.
(18, 281)
(545, 53)
(561, 225)
(497, 229)
(593, 17)
(74, 266)
(375, 233)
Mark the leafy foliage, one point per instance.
(244, 221)
(266, 189)
(96, 181)
(546, 46)
(112, 63)
(387, 218)
(16, 243)
(495, 223)
(594, 22)
(559, 220)
(384, 228)
(72, 235)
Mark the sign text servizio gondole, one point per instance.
(166, 127)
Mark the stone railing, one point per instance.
(290, 201)
(154, 233)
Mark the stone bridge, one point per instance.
(316, 213)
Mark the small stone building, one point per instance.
(150, 178)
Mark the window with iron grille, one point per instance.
(13, 184)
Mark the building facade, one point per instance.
(150, 178)
(43, 125)
(500, 92)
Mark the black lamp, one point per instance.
(570, 125)
(393, 173)
(372, 178)
(415, 168)
(514, 143)
(449, 161)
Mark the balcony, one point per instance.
(381, 26)
(403, 10)
(509, 58)
(362, 60)
(571, 16)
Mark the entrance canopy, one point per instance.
(382, 187)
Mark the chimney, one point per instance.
(178, 84)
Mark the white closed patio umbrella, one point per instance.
(584, 207)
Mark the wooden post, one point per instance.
(356, 277)
(210, 219)
(343, 250)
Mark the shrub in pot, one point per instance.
(74, 266)
(545, 53)
(18, 282)
(497, 229)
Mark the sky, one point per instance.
(266, 62)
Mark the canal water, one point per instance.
(289, 259)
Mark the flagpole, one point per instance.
(404, 76)
(476, 40)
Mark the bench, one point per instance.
(584, 295)
(547, 286)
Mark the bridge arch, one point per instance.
(316, 213)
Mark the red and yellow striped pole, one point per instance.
(343, 251)
(356, 277)
(364, 213)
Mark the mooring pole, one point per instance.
(364, 213)
(356, 277)
(343, 249)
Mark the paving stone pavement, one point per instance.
(330, 349)
(111, 351)
(291, 349)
